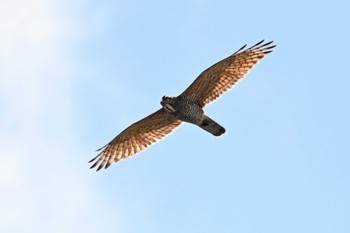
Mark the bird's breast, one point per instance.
(189, 112)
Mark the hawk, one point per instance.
(187, 107)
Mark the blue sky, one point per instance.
(73, 74)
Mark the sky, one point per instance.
(73, 74)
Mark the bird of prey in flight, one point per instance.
(187, 107)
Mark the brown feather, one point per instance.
(136, 138)
(220, 77)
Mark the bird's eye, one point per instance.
(163, 98)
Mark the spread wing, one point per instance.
(219, 78)
(136, 138)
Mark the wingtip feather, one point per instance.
(100, 167)
(94, 158)
(256, 45)
(102, 147)
(239, 50)
(93, 165)
(263, 47)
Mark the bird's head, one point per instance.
(168, 103)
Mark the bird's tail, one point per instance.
(211, 126)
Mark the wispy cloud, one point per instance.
(40, 189)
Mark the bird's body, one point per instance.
(184, 109)
(190, 111)
(187, 107)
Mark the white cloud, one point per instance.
(42, 188)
